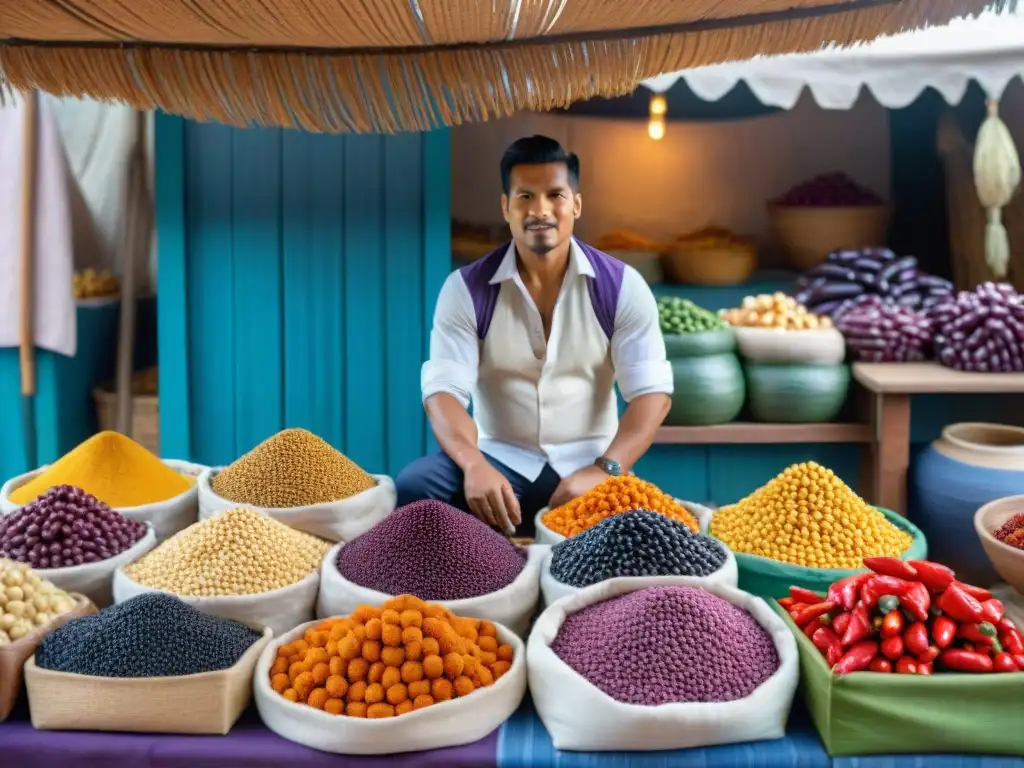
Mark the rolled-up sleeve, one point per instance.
(454, 346)
(638, 348)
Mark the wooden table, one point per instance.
(890, 387)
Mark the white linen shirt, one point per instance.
(552, 402)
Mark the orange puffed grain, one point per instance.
(334, 706)
(488, 643)
(430, 646)
(337, 686)
(505, 652)
(391, 635)
(320, 672)
(614, 496)
(412, 635)
(364, 613)
(433, 667)
(280, 682)
(348, 647)
(393, 657)
(371, 650)
(280, 666)
(487, 629)
(317, 698)
(433, 627)
(397, 694)
(419, 688)
(392, 676)
(290, 694)
(485, 676)
(410, 617)
(303, 684)
(391, 616)
(374, 693)
(378, 711)
(404, 708)
(358, 669)
(297, 668)
(355, 708)
(336, 665)
(499, 668)
(376, 673)
(374, 629)
(357, 691)
(414, 651)
(420, 702)
(441, 689)
(463, 686)
(412, 671)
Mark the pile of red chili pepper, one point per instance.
(908, 617)
(1012, 532)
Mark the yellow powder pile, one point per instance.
(294, 468)
(113, 468)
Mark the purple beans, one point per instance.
(64, 527)
(877, 331)
(980, 330)
(833, 189)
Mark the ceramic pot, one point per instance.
(709, 385)
(784, 393)
(970, 465)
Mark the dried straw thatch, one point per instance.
(391, 65)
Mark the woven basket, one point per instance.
(967, 219)
(809, 234)
(145, 417)
(728, 265)
(647, 263)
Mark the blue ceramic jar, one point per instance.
(970, 465)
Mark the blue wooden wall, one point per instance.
(297, 279)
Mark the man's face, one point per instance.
(541, 206)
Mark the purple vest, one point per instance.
(604, 287)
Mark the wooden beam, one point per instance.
(741, 432)
(932, 378)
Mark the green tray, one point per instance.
(868, 713)
(764, 577)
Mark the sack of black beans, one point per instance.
(342, 520)
(455, 722)
(626, 666)
(512, 605)
(279, 609)
(639, 545)
(167, 517)
(545, 535)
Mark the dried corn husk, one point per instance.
(996, 177)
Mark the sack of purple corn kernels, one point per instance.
(439, 554)
(981, 330)
(625, 666)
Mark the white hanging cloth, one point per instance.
(53, 265)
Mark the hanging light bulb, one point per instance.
(656, 123)
(656, 128)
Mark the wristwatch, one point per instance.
(608, 466)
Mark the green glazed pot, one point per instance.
(709, 386)
(781, 393)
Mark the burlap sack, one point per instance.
(207, 703)
(14, 655)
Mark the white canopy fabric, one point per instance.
(895, 69)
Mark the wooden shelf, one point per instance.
(743, 432)
(932, 378)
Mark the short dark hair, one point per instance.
(538, 150)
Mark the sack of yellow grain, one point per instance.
(302, 481)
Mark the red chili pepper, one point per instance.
(959, 605)
(970, 647)
(1011, 639)
(965, 661)
(826, 641)
(811, 612)
(840, 623)
(992, 610)
(892, 647)
(1019, 659)
(915, 637)
(933, 575)
(845, 591)
(857, 658)
(801, 595)
(813, 626)
(892, 624)
(891, 566)
(1003, 662)
(917, 600)
(943, 631)
(880, 665)
(787, 602)
(978, 593)
(929, 655)
(877, 587)
(906, 666)
(924, 668)
(859, 626)
(796, 608)
(979, 634)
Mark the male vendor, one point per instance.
(536, 334)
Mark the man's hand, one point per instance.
(576, 484)
(490, 497)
